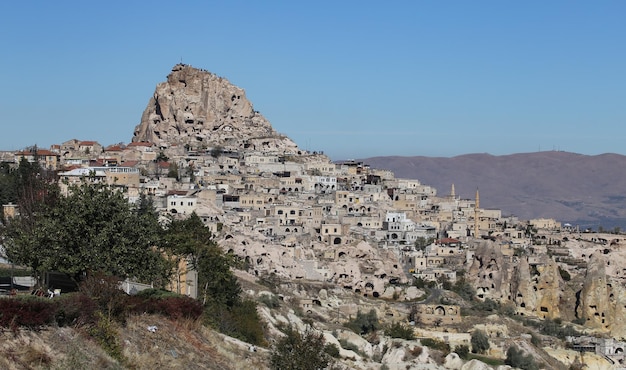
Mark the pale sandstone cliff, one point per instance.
(199, 110)
(602, 300)
(538, 290)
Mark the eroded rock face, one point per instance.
(198, 109)
(490, 272)
(538, 289)
(602, 301)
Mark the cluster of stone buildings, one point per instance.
(290, 198)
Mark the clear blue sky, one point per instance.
(351, 78)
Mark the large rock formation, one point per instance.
(199, 110)
(602, 302)
(536, 288)
(539, 293)
(490, 272)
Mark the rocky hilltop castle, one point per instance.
(197, 109)
(293, 214)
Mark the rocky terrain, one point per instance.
(580, 189)
(197, 109)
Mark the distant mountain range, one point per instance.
(589, 191)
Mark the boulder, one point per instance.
(453, 361)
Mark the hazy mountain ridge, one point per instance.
(570, 187)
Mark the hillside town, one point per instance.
(301, 201)
(357, 237)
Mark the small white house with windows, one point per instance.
(183, 204)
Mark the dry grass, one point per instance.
(183, 344)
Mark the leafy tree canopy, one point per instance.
(364, 323)
(300, 351)
(190, 238)
(94, 228)
(515, 357)
(480, 341)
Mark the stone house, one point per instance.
(88, 147)
(324, 168)
(185, 279)
(288, 214)
(324, 183)
(434, 274)
(545, 223)
(428, 262)
(113, 152)
(312, 216)
(10, 210)
(252, 159)
(121, 176)
(252, 200)
(140, 151)
(443, 314)
(408, 184)
(69, 146)
(368, 222)
(291, 184)
(47, 159)
(180, 203)
(353, 168)
(332, 233)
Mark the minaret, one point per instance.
(476, 207)
(452, 195)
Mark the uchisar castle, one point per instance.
(340, 238)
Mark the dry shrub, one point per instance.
(35, 356)
(75, 309)
(242, 321)
(416, 351)
(175, 308)
(105, 292)
(105, 333)
(438, 357)
(30, 312)
(413, 353)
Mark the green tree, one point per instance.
(300, 351)
(421, 243)
(190, 239)
(480, 341)
(93, 229)
(28, 185)
(364, 323)
(462, 351)
(191, 173)
(464, 289)
(516, 358)
(8, 193)
(217, 151)
(161, 157)
(399, 330)
(173, 171)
